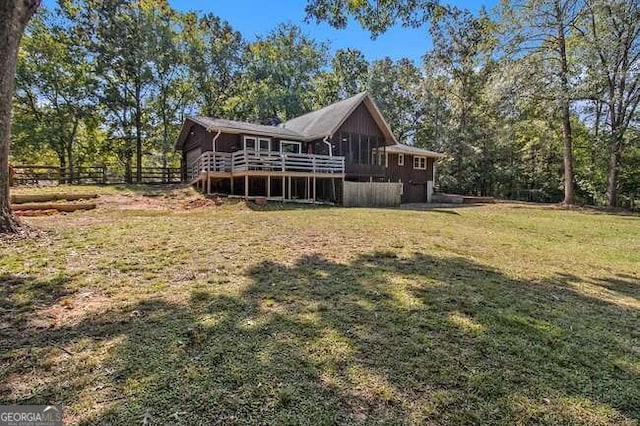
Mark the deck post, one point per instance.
(246, 187)
(289, 187)
(231, 184)
(208, 184)
(268, 186)
(314, 189)
(283, 193)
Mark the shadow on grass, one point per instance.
(21, 294)
(623, 284)
(380, 340)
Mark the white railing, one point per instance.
(287, 162)
(266, 161)
(210, 162)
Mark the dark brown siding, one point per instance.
(227, 142)
(198, 137)
(361, 121)
(361, 124)
(414, 180)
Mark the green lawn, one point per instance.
(500, 314)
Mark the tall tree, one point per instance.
(214, 55)
(610, 43)
(346, 77)
(54, 86)
(281, 68)
(14, 16)
(459, 67)
(121, 39)
(395, 87)
(174, 93)
(377, 17)
(542, 27)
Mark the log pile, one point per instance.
(47, 204)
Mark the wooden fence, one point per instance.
(371, 194)
(53, 175)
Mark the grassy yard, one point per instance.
(145, 311)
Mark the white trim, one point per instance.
(419, 157)
(282, 142)
(257, 140)
(400, 159)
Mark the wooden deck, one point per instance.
(212, 165)
(276, 169)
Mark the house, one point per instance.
(306, 158)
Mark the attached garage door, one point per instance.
(415, 193)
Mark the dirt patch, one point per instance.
(171, 199)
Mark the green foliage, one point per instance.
(347, 77)
(214, 57)
(279, 72)
(55, 88)
(100, 81)
(377, 17)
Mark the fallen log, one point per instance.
(43, 198)
(32, 213)
(53, 206)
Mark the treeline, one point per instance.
(535, 100)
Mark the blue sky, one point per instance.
(252, 17)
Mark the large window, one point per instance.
(253, 143)
(290, 147)
(359, 149)
(420, 163)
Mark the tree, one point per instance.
(456, 75)
(542, 27)
(14, 16)
(280, 69)
(120, 37)
(173, 92)
(214, 56)
(54, 87)
(347, 77)
(377, 17)
(610, 49)
(395, 87)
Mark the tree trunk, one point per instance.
(69, 146)
(63, 168)
(138, 136)
(14, 15)
(612, 178)
(564, 106)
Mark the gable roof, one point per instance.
(314, 125)
(326, 121)
(231, 126)
(237, 127)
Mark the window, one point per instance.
(364, 149)
(289, 147)
(400, 159)
(420, 163)
(252, 143)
